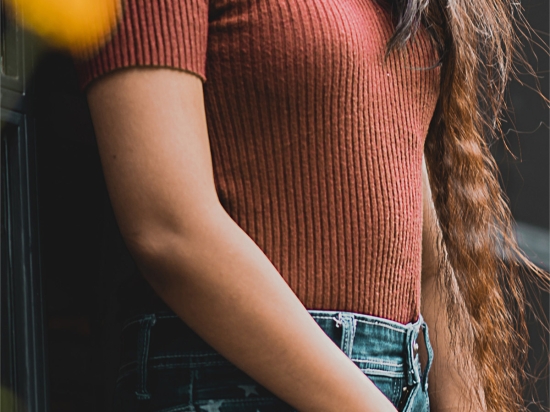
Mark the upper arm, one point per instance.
(153, 142)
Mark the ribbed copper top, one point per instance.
(316, 140)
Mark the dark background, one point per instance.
(75, 219)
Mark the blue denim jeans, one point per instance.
(166, 367)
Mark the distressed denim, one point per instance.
(166, 367)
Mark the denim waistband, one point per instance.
(372, 341)
(375, 344)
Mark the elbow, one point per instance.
(149, 242)
(163, 257)
(152, 247)
(150, 228)
(163, 248)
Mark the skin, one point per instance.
(152, 136)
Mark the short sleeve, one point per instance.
(165, 33)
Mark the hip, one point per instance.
(166, 367)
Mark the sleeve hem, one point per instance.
(87, 79)
(170, 33)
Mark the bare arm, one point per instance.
(152, 136)
(452, 385)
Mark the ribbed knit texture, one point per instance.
(316, 140)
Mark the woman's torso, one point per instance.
(316, 139)
(317, 146)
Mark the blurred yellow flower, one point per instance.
(80, 26)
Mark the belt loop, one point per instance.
(413, 375)
(145, 325)
(430, 355)
(411, 372)
(348, 324)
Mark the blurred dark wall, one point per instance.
(527, 178)
(71, 199)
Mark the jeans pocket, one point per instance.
(387, 375)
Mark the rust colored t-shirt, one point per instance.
(316, 140)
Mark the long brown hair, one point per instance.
(483, 268)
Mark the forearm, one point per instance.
(221, 284)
